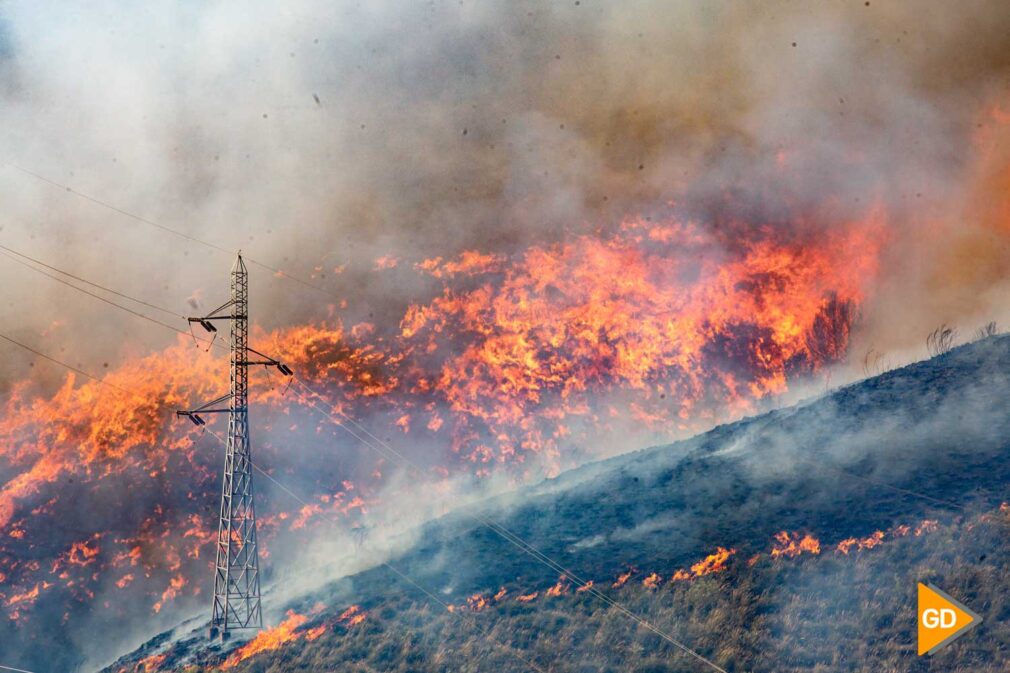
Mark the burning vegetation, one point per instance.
(292, 629)
(515, 358)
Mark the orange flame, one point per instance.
(268, 640)
(792, 544)
(150, 664)
(559, 589)
(312, 634)
(652, 581)
(712, 563)
(552, 324)
(860, 544)
(352, 616)
(622, 579)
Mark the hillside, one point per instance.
(828, 512)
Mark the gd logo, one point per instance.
(941, 619)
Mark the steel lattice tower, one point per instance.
(236, 570)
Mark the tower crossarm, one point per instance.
(208, 408)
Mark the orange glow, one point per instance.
(24, 597)
(470, 262)
(175, 586)
(652, 581)
(81, 553)
(526, 598)
(386, 262)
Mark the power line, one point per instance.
(499, 529)
(92, 294)
(104, 299)
(11, 668)
(170, 312)
(192, 239)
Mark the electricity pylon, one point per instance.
(236, 571)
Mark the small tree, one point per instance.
(941, 340)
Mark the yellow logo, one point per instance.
(941, 619)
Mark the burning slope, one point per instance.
(664, 325)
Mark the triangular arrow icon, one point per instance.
(941, 619)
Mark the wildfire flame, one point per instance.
(352, 616)
(313, 633)
(268, 640)
(559, 589)
(712, 563)
(622, 579)
(793, 544)
(860, 544)
(150, 664)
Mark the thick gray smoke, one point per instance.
(326, 135)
